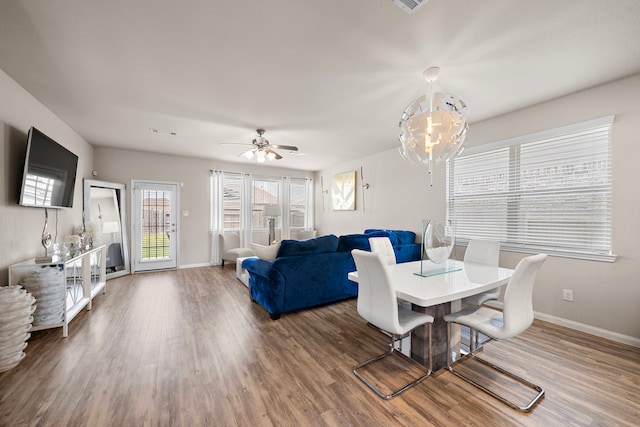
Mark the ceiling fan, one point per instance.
(262, 149)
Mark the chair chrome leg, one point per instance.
(501, 398)
(398, 337)
(391, 351)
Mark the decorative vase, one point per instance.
(16, 318)
(72, 245)
(438, 241)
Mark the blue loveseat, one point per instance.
(313, 272)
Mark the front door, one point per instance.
(155, 227)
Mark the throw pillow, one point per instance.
(267, 253)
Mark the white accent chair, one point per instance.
(307, 234)
(516, 318)
(230, 247)
(377, 304)
(485, 252)
(382, 245)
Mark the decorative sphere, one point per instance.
(435, 133)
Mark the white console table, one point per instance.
(84, 276)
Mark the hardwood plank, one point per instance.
(188, 347)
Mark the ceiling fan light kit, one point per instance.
(262, 150)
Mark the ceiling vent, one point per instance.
(410, 6)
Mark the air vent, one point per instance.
(166, 132)
(410, 6)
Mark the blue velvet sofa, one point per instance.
(313, 272)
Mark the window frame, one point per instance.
(259, 223)
(246, 184)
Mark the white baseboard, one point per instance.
(592, 330)
(204, 264)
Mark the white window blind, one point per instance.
(549, 192)
(297, 202)
(231, 200)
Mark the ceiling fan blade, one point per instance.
(235, 143)
(285, 147)
(278, 156)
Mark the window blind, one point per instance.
(549, 192)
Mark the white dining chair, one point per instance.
(485, 252)
(377, 304)
(383, 246)
(516, 317)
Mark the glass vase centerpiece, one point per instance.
(438, 240)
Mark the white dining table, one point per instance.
(436, 289)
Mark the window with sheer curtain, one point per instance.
(238, 200)
(548, 192)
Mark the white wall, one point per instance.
(606, 295)
(399, 196)
(21, 227)
(117, 165)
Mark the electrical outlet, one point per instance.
(567, 294)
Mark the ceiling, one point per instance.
(331, 77)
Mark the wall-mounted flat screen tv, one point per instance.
(49, 173)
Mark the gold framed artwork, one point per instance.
(343, 191)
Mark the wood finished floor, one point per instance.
(189, 348)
